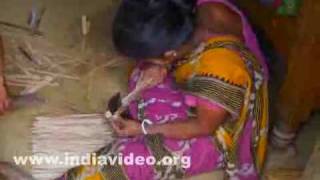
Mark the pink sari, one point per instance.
(164, 104)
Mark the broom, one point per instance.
(76, 135)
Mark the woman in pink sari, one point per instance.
(215, 115)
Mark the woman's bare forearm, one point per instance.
(179, 130)
(207, 121)
(183, 129)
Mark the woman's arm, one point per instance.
(4, 100)
(206, 122)
(1, 61)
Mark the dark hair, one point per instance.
(149, 28)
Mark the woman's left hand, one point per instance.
(125, 127)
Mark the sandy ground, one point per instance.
(61, 25)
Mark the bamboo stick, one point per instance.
(54, 74)
(8, 24)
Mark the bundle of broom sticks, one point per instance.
(76, 135)
(70, 136)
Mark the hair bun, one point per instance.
(186, 5)
(148, 28)
(147, 3)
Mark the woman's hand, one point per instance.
(126, 127)
(4, 99)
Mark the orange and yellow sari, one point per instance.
(224, 72)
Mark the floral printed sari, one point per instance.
(222, 72)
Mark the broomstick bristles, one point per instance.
(76, 135)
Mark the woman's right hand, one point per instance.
(126, 127)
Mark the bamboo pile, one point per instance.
(32, 64)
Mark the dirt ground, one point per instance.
(61, 26)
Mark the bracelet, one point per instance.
(144, 122)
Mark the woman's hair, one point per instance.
(149, 28)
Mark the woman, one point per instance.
(211, 107)
(4, 99)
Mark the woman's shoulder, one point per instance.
(216, 61)
(223, 63)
